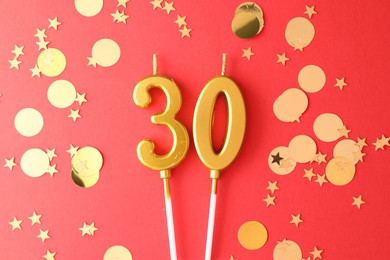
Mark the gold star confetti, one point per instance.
(116, 16)
(340, 83)
(43, 235)
(91, 61)
(123, 18)
(286, 164)
(168, 7)
(14, 63)
(81, 98)
(40, 34)
(272, 186)
(156, 4)
(185, 32)
(49, 255)
(16, 224)
(74, 114)
(310, 11)
(296, 220)
(51, 153)
(361, 142)
(358, 156)
(358, 201)
(35, 219)
(321, 179)
(309, 174)
(316, 253)
(42, 45)
(282, 59)
(385, 140)
(72, 150)
(85, 230)
(18, 51)
(122, 3)
(344, 131)
(381, 143)
(247, 53)
(92, 229)
(35, 71)
(270, 200)
(54, 23)
(181, 21)
(52, 169)
(10, 163)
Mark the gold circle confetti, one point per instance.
(85, 181)
(252, 235)
(106, 52)
(117, 253)
(248, 20)
(311, 78)
(290, 105)
(287, 250)
(87, 161)
(51, 62)
(28, 122)
(302, 148)
(340, 171)
(346, 148)
(34, 162)
(61, 93)
(280, 162)
(299, 32)
(88, 7)
(326, 127)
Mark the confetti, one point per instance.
(43, 235)
(272, 186)
(28, 122)
(299, 33)
(168, 7)
(74, 114)
(309, 174)
(81, 98)
(346, 148)
(123, 3)
(14, 63)
(61, 93)
(248, 20)
(15, 223)
(310, 11)
(321, 179)
(326, 127)
(156, 4)
(18, 51)
(72, 150)
(35, 219)
(381, 143)
(290, 105)
(302, 148)
(247, 53)
(287, 249)
(296, 220)
(117, 253)
(34, 162)
(270, 200)
(340, 83)
(340, 171)
(52, 170)
(42, 45)
(105, 52)
(252, 235)
(88, 7)
(41, 34)
(361, 142)
(54, 23)
(49, 255)
(316, 253)
(35, 71)
(277, 161)
(51, 153)
(344, 131)
(10, 163)
(181, 20)
(311, 78)
(357, 201)
(282, 58)
(185, 32)
(86, 165)
(51, 62)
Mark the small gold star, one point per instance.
(156, 4)
(18, 51)
(122, 3)
(85, 230)
(309, 174)
(49, 255)
(286, 164)
(344, 131)
(116, 16)
(81, 98)
(340, 83)
(92, 229)
(247, 53)
(35, 71)
(123, 18)
(282, 59)
(381, 143)
(35, 219)
(358, 156)
(385, 140)
(185, 32)
(42, 45)
(74, 114)
(270, 200)
(10, 163)
(51, 153)
(358, 201)
(361, 143)
(40, 34)
(81, 166)
(91, 61)
(43, 235)
(72, 150)
(310, 11)
(54, 23)
(320, 158)
(168, 7)
(52, 169)
(14, 63)
(321, 179)
(296, 220)
(272, 186)
(316, 253)
(181, 21)
(16, 224)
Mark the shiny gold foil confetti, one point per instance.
(86, 165)
(248, 20)
(252, 235)
(51, 62)
(340, 171)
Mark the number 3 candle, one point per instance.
(202, 125)
(145, 149)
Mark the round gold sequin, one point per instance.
(61, 93)
(106, 52)
(51, 62)
(299, 32)
(340, 171)
(252, 235)
(86, 165)
(326, 127)
(302, 148)
(287, 250)
(248, 20)
(34, 162)
(85, 181)
(117, 253)
(290, 105)
(28, 122)
(88, 7)
(311, 78)
(346, 148)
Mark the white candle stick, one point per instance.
(210, 226)
(170, 224)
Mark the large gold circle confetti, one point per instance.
(248, 20)
(290, 105)
(106, 52)
(51, 62)
(326, 127)
(252, 235)
(88, 7)
(280, 162)
(34, 162)
(86, 165)
(287, 250)
(85, 181)
(28, 122)
(299, 32)
(340, 171)
(302, 148)
(117, 253)
(311, 78)
(346, 148)
(61, 93)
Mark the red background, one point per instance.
(127, 203)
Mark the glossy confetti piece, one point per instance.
(61, 93)
(248, 20)
(252, 235)
(51, 62)
(340, 171)
(28, 122)
(34, 162)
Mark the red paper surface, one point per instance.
(127, 204)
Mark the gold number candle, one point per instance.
(145, 149)
(202, 125)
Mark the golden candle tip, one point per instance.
(154, 64)
(223, 64)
